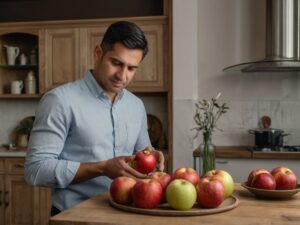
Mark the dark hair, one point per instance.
(127, 33)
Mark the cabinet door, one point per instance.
(2, 221)
(152, 73)
(22, 202)
(59, 60)
(44, 205)
(89, 39)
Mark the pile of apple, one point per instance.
(181, 190)
(280, 178)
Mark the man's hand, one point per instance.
(112, 168)
(119, 166)
(160, 159)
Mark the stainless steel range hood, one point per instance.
(282, 40)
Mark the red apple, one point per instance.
(253, 173)
(210, 192)
(120, 189)
(144, 161)
(147, 193)
(225, 178)
(264, 181)
(163, 178)
(188, 174)
(284, 177)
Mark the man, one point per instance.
(85, 132)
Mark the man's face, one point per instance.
(115, 69)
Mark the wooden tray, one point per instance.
(165, 210)
(272, 194)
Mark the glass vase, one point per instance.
(207, 154)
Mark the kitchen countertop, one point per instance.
(97, 211)
(246, 153)
(221, 152)
(20, 152)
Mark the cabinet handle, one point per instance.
(6, 199)
(222, 162)
(21, 165)
(0, 198)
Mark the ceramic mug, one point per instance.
(16, 86)
(12, 53)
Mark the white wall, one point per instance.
(12, 111)
(209, 35)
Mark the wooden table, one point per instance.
(250, 211)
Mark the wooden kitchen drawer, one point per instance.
(14, 165)
(1, 166)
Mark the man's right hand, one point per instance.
(111, 168)
(120, 166)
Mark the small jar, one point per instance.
(33, 57)
(30, 83)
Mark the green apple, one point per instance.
(181, 194)
(225, 178)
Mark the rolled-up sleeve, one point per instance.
(43, 166)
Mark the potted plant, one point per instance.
(206, 116)
(23, 131)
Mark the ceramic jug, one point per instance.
(12, 53)
(16, 86)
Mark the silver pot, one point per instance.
(268, 137)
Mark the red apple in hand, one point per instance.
(163, 178)
(147, 193)
(188, 174)
(253, 173)
(225, 178)
(210, 192)
(285, 178)
(144, 161)
(120, 189)
(264, 181)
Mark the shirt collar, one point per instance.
(95, 88)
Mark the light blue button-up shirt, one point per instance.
(77, 123)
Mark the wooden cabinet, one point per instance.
(66, 49)
(59, 60)
(152, 76)
(21, 204)
(25, 44)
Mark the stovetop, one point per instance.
(285, 148)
